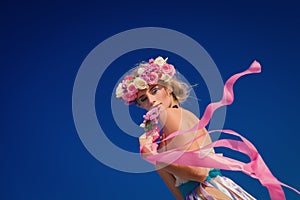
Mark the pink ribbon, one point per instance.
(256, 168)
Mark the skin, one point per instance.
(170, 118)
(155, 95)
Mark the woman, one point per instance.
(153, 86)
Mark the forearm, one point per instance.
(185, 172)
(169, 180)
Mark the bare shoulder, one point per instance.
(174, 119)
(188, 114)
(170, 119)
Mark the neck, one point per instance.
(174, 103)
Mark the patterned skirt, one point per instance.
(225, 187)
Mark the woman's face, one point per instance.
(153, 96)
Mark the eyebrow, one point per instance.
(152, 87)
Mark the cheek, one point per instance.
(164, 96)
(163, 92)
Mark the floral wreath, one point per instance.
(147, 74)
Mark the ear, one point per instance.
(169, 91)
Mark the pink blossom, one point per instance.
(147, 69)
(151, 60)
(144, 76)
(152, 78)
(154, 68)
(146, 117)
(152, 114)
(151, 120)
(168, 69)
(172, 70)
(128, 78)
(129, 96)
(131, 88)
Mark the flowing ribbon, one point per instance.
(200, 157)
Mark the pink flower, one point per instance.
(131, 88)
(128, 78)
(154, 68)
(148, 73)
(168, 69)
(172, 70)
(146, 117)
(147, 69)
(152, 78)
(129, 96)
(150, 122)
(153, 113)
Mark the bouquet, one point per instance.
(150, 123)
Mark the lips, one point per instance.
(156, 105)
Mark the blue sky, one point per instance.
(44, 44)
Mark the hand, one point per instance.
(146, 144)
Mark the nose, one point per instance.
(151, 99)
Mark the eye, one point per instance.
(154, 90)
(143, 99)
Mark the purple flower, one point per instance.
(151, 120)
(151, 60)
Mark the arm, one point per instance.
(169, 180)
(146, 145)
(171, 120)
(187, 172)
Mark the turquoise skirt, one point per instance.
(188, 187)
(215, 180)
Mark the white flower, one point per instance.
(165, 77)
(160, 61)
(140, 70)
(142, 125)
(119, 91)
(140, 83)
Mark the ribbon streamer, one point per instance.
(200, 157)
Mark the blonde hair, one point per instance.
(180, 89)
